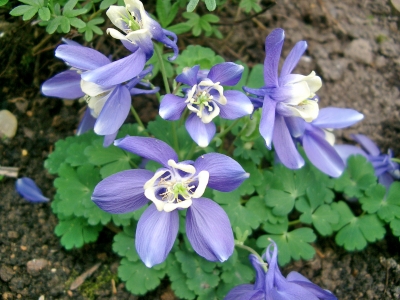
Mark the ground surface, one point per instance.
(353, 46)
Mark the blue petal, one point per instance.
(28, 189)
(209, 230)
(237, 106)
(66, 85)
(117, 71)
(245, 292)
(368, 145)
(284, 145)
(267, 121)
(188, 76)
(296, 126)
(260, 273)
(109, 139)
(201, 133)
(149, 148)
(345, 151)
(82, 58)
(293, 58)
(225, 173)
(122, 192)
(114, 112)
(273, 48)
(172, 107)
(227, 73)
(87, 122)
(322, 154)
(155, 235)
(166, 40)
(333, 117)
(311, 287)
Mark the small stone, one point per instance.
(23, 248)
(8, 124)
(7, 296)
(24, 152)
(6, 273)
(12, 235)
(389, 49)
(380, 62)
(332, 69)
(360, 51)
(36, 265)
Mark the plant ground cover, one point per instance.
(365, 82)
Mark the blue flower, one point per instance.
(138, 28)
(317, 137)
(108, 103)
(206, 99)
(271, 285)
(385, 168)
(289, 95)
(175, 186)
(28, 189)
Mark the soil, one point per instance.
(353, 46)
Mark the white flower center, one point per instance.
(202, 103)
(174, 188)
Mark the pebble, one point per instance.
(6, 273)
(332, 69)
(12, 235)
(8, 124)
(36, 265)
(360, 50)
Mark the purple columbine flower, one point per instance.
(271, 285)
(318, 139)
(138, 28)
(206, 99)
(385, 168)
(287, 95)
(28, 189)
(109, 103)
(175, 186)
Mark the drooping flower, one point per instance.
(317, 137)
(175, 186)
(28, 189)
(108, 104)
(386, 169)
(138, 28)
(206, 99)
(272, 285)
(287, 95)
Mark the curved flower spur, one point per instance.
(173, 187)
(206, 99)
(138, 29)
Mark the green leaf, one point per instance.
(53, 24)
(322, 219)
(281, 202)
(357, 178)
(3, 2)
(249, 5)
(256, 178)
(30, 13)
(44, 13)
(210, 4)
(344, 212)
(178, 279)
(77, 23)
(124, 246)
(293, 244)
(256, 77)
(138, 278)
(179, 28)
(359, 231)
(70, 5)
(166, 12)
(201, 274)
(20, 10)
(76, 232)
(395, 226)
(192, 5)
(107, 3)
(65, 24)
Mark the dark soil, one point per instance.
(353, 46)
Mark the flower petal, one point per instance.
(188, 76)
(149, 148)
(284, 145)
(114, 112)
(117, 14)
(293, 58)
(66, 85)
(227, 73)
(201, 133)
(245, 292)
(155, 235)
(334, 117)
(345, 151)
(109, 139)
(237, 106)
(273, 48)
(322, 154)
(368, 145)
(28, 189)
(209, 230)
(122, 192)
(87, 122)
(225, 173)
(169, 39)
(172, 107)
(117, 71)
(82, 58)
(267, 121)
(299, 279)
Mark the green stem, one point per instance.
(162, 69)
(175, 137)
(252, 251)
(137, 118)
(294, 222)
(395, 160)
(191, 151)
(226, 130)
